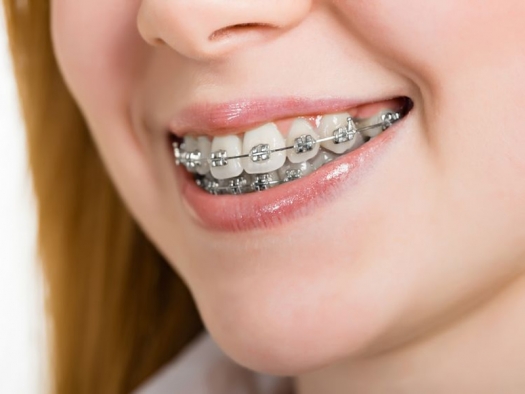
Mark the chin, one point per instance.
(287, 328)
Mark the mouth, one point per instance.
(265, 157)
(268, 178)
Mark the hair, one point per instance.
(117, 311)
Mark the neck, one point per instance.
(484, 352)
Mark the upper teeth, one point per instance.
(338, 132)
(225, 157)
(263, 150)
(304, 139)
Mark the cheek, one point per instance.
(99, 52)
(467, 62)
(430, 40)
(102, 56)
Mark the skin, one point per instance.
(424, 293)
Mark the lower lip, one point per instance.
(281, 204)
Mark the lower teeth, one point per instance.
(248, 183)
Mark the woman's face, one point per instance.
(365, 254)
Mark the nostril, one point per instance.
(240, 29)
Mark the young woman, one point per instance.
(335, 188)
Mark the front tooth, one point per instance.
(222, 148)
(257, 144)
(302, 137)
(204, 146)
(330, 123)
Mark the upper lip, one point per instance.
(238, 116)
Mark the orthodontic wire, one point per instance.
(240, 185)
(388, 120)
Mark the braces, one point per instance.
(262, 152)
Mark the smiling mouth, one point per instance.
(262, 158)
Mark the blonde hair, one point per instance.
(117, 310)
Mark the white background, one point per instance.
(22, 341)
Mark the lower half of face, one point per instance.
(361, 253)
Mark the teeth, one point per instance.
(264, 181)
(321, 159)
(328, 126)
(204, 146)
(257, 144)
(295, 171)
(190, 144)
(359, 140)
(222, 148)
(236, 185)
(262, 158)
(302, 137)
(373, 132)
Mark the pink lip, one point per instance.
(225, 118)
(283, 203)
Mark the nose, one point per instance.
(203, 29)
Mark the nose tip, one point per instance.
(203, 29)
